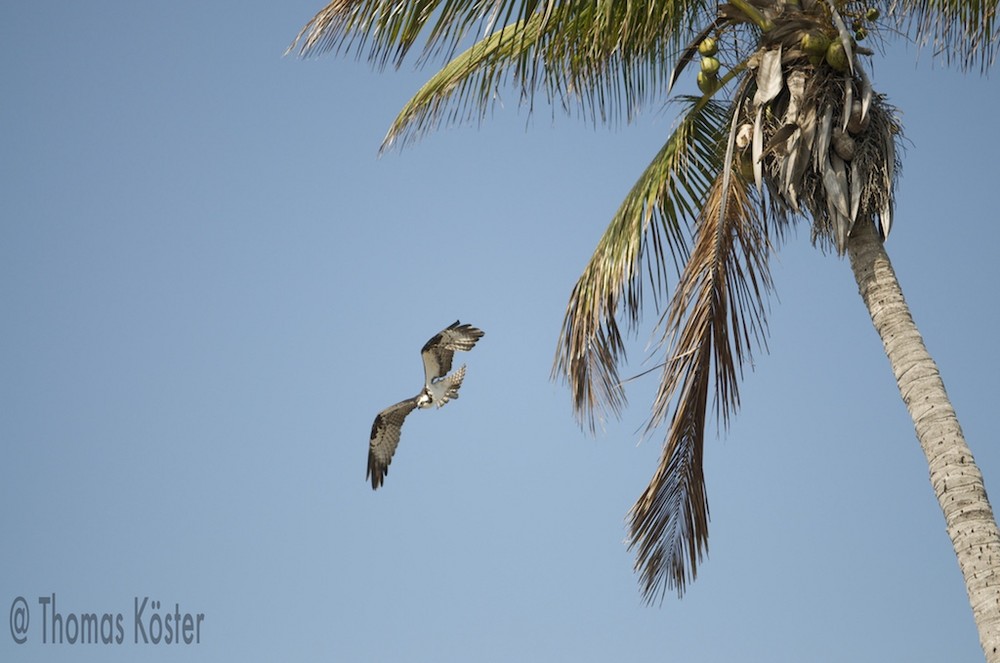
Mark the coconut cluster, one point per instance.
(708, 76)
(809, 127)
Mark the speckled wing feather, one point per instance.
(385, 439)
(440, 350)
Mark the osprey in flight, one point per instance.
(439, 388)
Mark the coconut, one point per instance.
(843, 144)
(873, 13)
(708, 47)
(815, 43)
(707, 83)
(710, 65)
(836, 56)
(855, 123)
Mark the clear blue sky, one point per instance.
(210, 284)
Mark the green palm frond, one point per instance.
(716, 316)
(650, 223)
(608, 55)
(963, 31)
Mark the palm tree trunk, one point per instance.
(956, 479)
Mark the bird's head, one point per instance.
(424, 400)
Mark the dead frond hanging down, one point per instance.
(716, 316)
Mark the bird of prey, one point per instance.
(439, 388)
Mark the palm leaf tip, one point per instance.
(589, 352)
(963, 32)
(384, 30)
(322, 33)
(668, 525)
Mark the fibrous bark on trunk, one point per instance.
(956, 479)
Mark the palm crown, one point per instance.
(788, 126)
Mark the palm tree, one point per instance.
(789, 127)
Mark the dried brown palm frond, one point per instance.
(651, 222)
(716, 316)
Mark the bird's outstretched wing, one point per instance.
(440, 350)
(385, 439)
